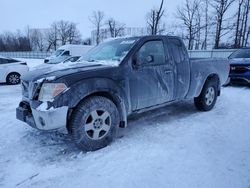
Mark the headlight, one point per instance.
(50, 90)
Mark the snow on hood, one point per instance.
(63, 66)
(53, 72)
(50, 78)
(42, 66)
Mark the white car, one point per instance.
(11, 70)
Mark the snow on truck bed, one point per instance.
(174, 146)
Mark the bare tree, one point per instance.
(221, 7)
(61, 33)
(247, 36)
(63, 27)
(97, 20)
(74, 36)
(245, 25)
(154, 18)
(239, 12)
(10, 41)
(115, 28)
(37, 40)
(188, 14)
(206, 26)
(198, 30)
(52, 37)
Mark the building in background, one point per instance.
(126, 31)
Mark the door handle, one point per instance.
(168, 71)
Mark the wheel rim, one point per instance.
(210, 95)
(97, 124)
(14, 79)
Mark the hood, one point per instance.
(42, 66)
(60, 70)
(240, 61)
(51, 57)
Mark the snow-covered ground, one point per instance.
(174, 146)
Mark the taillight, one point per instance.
(24, 63)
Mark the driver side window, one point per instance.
(152, 52)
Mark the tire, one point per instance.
(13, 79)
(208, 97)
(94, 123)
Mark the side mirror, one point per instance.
(150, 59)
(137, 61)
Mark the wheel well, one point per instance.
(215, 77)
(13, 73)
(115, 100)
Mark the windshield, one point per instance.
(242, 53)
(114, 50)
(58, 52)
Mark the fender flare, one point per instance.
(96, 87)
(212, 76)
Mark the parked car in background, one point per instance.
(47, 65)
(11, 70)
(240, 67)
(72, 59)
(66, 51)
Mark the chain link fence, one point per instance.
(192, 54)
(28, 55)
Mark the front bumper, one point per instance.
(43, 120)
(240, 78)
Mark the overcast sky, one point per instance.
(17, 14)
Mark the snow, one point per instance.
(42, 107)
(50, 78)
(32, 62)
(174, 146)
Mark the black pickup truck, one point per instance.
(93, 97)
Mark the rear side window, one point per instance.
(3, 61)
(6, 61)
(12, 61)
(177, 50)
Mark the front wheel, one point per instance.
(94, 123)
(207, 99)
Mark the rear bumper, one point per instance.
(43, 120)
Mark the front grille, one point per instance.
(239, 69)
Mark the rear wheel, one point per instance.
(13, 79)
(94, 123)
(207, 99)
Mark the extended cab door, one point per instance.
(152, 78)
(179, 55)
